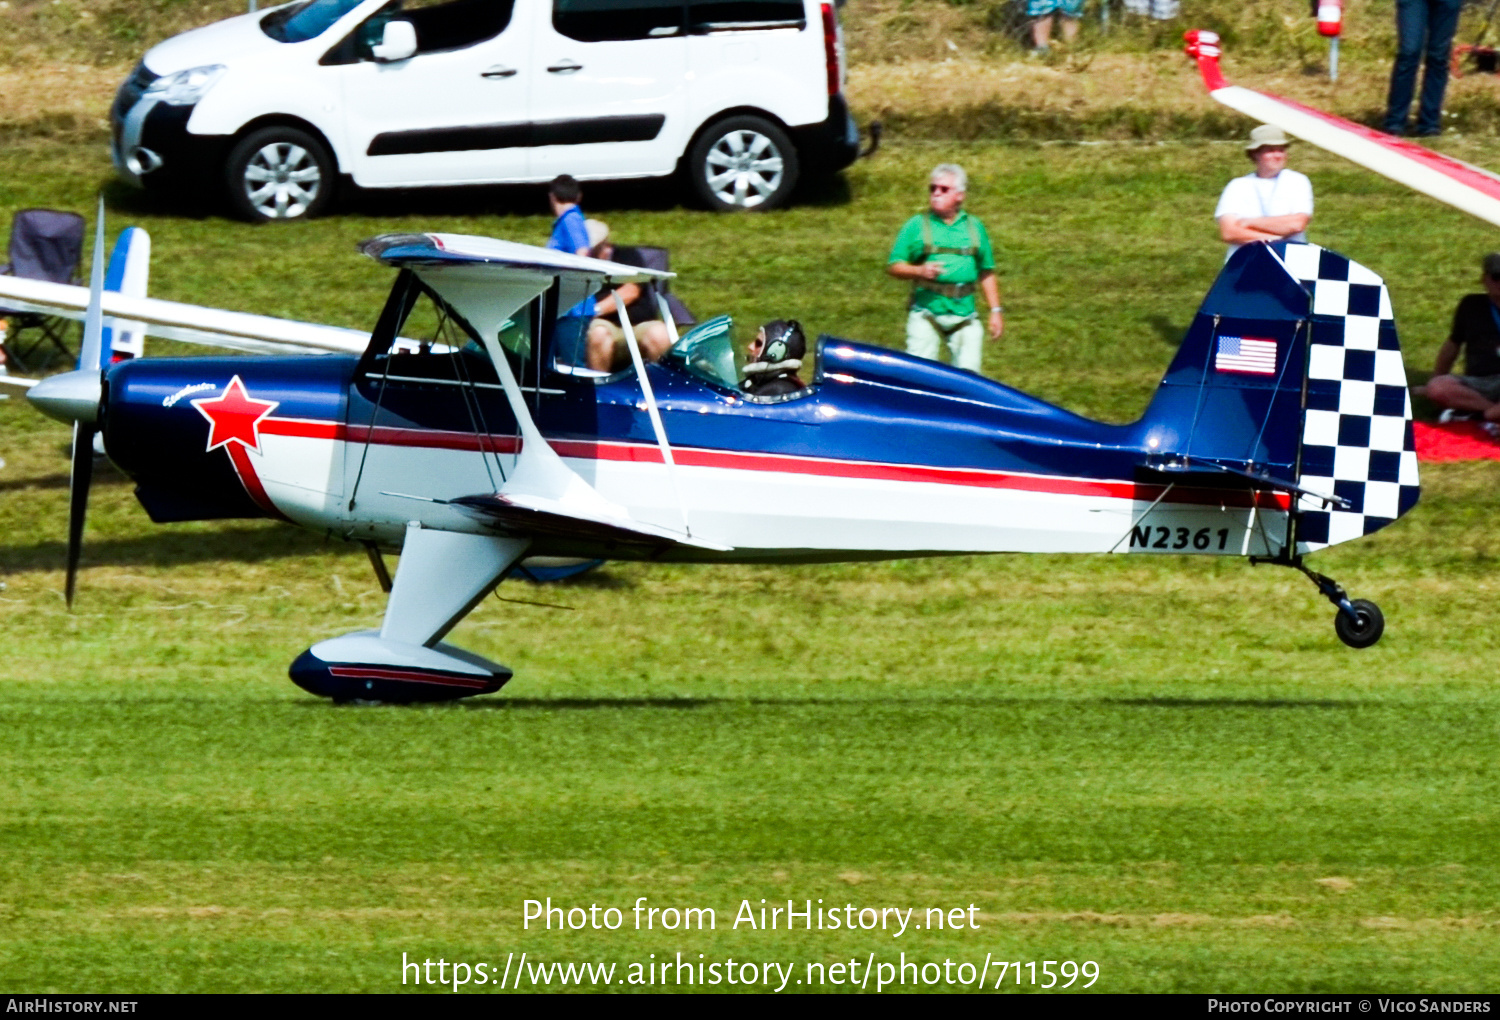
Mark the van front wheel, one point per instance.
(743, 163)
(279, 173)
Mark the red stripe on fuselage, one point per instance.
(432, 439)
(302, 428)
(648, 453)
(974, 477)
(410, 676)
(239, 456)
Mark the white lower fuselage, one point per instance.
(767, 507)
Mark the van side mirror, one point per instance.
(398, 43)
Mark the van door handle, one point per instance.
(565, 66)
(498, 71)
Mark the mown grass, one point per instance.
(1170, 767)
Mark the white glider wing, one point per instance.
(16, 384)
(1474, 190)
(195, 324)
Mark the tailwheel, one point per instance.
(1359, 622)
(1361, 629)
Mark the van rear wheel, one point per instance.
(279, 173)
(743, 163)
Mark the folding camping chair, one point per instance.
(45, 244)
(657, 258)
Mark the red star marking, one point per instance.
(235, 417)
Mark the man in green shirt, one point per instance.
(946, 255)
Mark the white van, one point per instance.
(743, 96)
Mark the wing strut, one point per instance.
(541, 481)
(651, 408)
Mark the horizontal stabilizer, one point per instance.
(1198, 465)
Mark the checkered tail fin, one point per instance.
(1291, 378)
(1357, 436)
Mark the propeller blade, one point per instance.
(91, 364)
(91, 357)
(78, 498)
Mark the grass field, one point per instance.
(1171, 768)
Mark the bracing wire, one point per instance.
(364, 454)
(474, 410)
(1135, 523)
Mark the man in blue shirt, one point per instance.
(570, 234)
(568, 231)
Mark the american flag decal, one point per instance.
(1245, 354)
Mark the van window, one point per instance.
(301, 22)
(441, 25)
(739, 15)
(615, 20)
(454, 24)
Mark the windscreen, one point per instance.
(432, 345)
(707, 351)
(306, 21)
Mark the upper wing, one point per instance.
(1474, 190)
(487, 281)
(496, 260)
(172, 320)
(500, 276)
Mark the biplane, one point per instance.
(462, 431)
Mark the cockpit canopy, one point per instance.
(707, 352)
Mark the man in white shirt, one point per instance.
(1271, 204)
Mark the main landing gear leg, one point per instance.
(442, 575)
(1359, 622)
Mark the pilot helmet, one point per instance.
(785, 341)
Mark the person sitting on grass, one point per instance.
(1475, 332)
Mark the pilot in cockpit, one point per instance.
(775, 355)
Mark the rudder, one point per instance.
(1358, 442)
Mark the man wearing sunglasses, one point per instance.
(1475, 332)
(946, 254)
